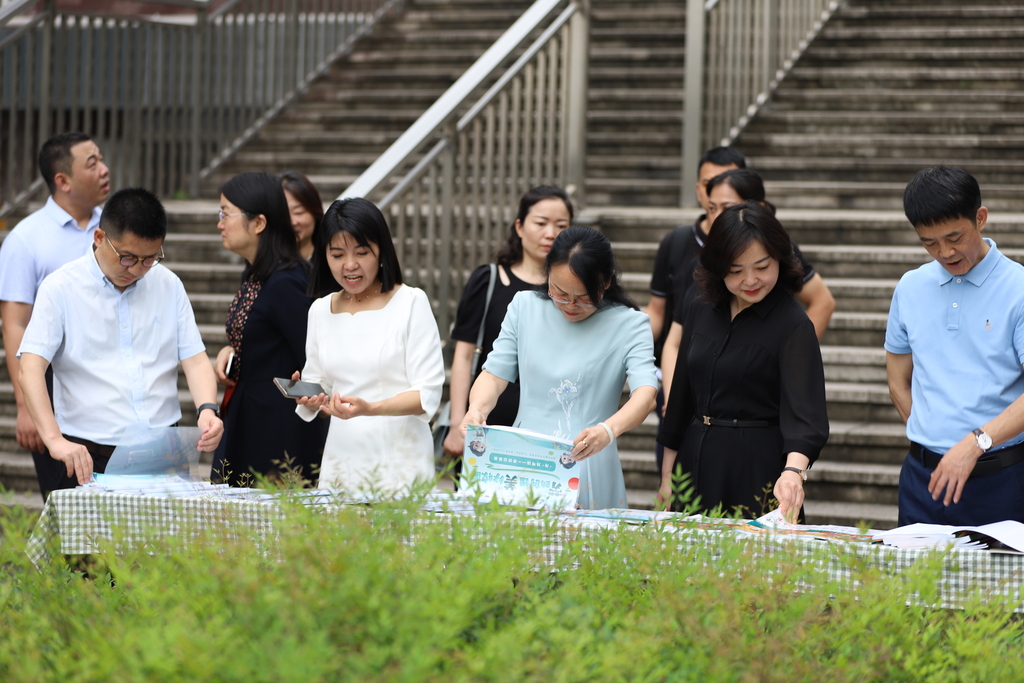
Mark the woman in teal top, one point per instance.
(572, 346)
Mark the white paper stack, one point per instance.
(1007, 533)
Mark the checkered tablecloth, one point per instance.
(80, 521)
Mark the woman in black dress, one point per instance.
(746, 414)
(266, 329)
(543, 213)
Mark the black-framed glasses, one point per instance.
(566, 302)
(129, 260)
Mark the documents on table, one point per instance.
(1006, 535)
(775, 523)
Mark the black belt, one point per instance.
(989, 463)
(716, 422)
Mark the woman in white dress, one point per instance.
(374, 346)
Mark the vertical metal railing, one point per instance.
(169, 97)
(451, 211)
(737, 53)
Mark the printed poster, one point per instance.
(520, 467)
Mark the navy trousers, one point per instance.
(990, 498)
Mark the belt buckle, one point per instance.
(707, 420)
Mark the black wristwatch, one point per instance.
(802, 473)
(208, 406)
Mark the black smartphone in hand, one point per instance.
(296, 388)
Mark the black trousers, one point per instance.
(53, 474)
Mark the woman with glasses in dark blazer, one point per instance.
(266, 329)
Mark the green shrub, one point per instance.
(388, 594)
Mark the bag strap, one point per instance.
(483, 321)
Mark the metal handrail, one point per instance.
(452, 208)
(12, 9)
(476, 109)
(737, 53)
(169, 100)
(445, 107)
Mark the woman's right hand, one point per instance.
(663, 501)
(455, 442)
(473, 417)
(220, 366)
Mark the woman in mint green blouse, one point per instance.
(573, 346)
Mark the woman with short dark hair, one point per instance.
(573, 346)
(746, 413)
(266, 329)
(373, 344)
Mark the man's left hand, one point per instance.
(954, 469)
(211, 429)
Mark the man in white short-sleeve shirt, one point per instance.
(114, 324)
(61, 231)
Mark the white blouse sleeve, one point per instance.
(424, 364)
(313, 370)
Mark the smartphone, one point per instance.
(296, 388)
(231, 361)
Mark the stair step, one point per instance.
(27, 500)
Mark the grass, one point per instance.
(388, 594)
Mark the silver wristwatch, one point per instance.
(984, 440)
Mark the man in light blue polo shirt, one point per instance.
(114, 324)
(954, 352)
(61, 231)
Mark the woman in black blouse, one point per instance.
(266, 329)
(543, 213)
(746, 414)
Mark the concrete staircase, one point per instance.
(635, 120)
(888, 88)
(350, 116)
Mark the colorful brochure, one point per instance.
(520, 467)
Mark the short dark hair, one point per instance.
(722, 156)
(134, 210)
(55, 156)
(260, 194)
(733, 232)
(364, 221)
(590, 258)
(939, 194)
(747, 183)
(511, 252)
(305, 192)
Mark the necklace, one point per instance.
(369, 294)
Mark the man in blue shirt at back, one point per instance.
(61, 231)
(954, 352)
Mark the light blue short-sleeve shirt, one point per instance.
(40, 244)
(966, 337)
(114, 354)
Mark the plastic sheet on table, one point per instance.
(162, 450)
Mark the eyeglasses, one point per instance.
(129, 260)
(566, 302)
(221, 215)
